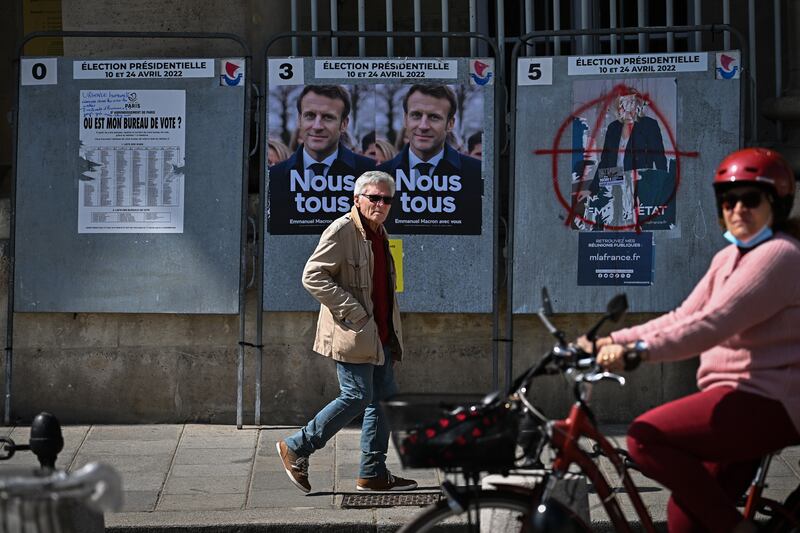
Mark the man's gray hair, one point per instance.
(373, 177)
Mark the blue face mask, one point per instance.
(752, 242)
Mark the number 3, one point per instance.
(286, 72)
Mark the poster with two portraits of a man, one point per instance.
(427, 134)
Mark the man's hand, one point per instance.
(356, 326)
(361, 323)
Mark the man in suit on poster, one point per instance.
(314, 185)
(439, 189)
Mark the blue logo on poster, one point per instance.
(615, 258)
(231, 78)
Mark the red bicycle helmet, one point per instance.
(761, 167)
(757, 165)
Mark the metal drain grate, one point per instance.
(384, 499)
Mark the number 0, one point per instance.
(534, 71)
(38, 71)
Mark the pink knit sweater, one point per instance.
(743, 318)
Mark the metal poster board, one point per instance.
(129, 185)
(422, 120)
(614, 160)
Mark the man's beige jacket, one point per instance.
(339, 275)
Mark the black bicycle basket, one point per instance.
(452, 432)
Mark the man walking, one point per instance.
(352, 274)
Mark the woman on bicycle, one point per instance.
(743, 318)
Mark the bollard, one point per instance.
(46, 440)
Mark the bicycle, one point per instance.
(435, 443)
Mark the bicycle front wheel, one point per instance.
(781, 524)
(496, 511)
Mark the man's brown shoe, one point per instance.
(296, 467)
(386, 483)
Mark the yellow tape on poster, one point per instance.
(396, 247)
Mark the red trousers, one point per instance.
(705, 448)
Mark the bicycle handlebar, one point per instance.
(569, 357)
(577, 364)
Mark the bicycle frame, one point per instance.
(564, 436)
(756, 500)
(754, 495)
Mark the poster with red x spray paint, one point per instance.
(623, 161)
(613, 161)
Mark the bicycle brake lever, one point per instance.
(599, 376)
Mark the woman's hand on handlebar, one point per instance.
(586, 345)
(615, 357)
(612, 356)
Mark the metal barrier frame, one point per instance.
(503, 135)
(15, 114)
(500, 111)
(515, 54)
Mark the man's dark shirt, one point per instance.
(381, 294)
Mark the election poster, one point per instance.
(623, 154)
(413, 119)
(132, 150)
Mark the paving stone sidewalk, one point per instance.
(208, 478)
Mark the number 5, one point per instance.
(535, 71)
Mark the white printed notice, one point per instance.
(142, 68)
(398, 69)
(637, 64)
(132, 148)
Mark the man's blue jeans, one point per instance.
(361, 388)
